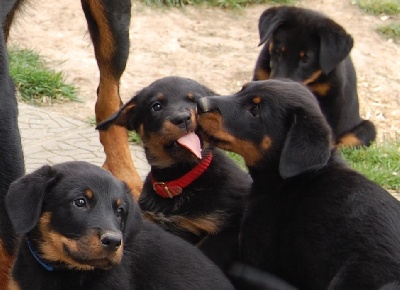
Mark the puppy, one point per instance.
(82, 230)
(310, 219)
(193, 191)
(307, 47)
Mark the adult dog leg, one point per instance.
(11, 157)
(108, 23)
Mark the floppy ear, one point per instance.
(269, 21)
(307, 146)
(25, 196)
(336, 45)
(121, 117)
(134, 220)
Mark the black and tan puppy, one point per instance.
(82, 230)
(193, 191)
(310, 219)
(308, 47)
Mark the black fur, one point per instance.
(310, 219)
(75, 214)
(11, 156)
(308, 47)
(209, 210)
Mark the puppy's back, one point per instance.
(164, 261)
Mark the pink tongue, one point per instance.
(191, 142)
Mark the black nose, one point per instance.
(203, 105)
(180, 119)
(111, 241)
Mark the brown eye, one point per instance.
(156, 107)
(120, 212)
(80, 202)
(254, 111)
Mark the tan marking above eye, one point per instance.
(302, 54)
(257, 100)
(283, 48)
(266, 143)
(190, 96)
(118, 202)
(160, 97)
(89, 193)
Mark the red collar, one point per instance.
(170, 189)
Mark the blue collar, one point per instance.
(36, 256)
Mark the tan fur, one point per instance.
(58, 248)
(5, 266)
(12, 285)
(209, 223)
(89, 193)
(313, 77)
(320, 89)
(115, 140)
(155, 142)
(261, 74)
(252, 153)
(349, 140)
(257, 100)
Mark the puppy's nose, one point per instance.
(111, 241)
(203, 105)
(181, 119)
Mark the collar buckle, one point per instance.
(164, 186)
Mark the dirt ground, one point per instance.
(215, 47)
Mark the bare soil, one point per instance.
(215, 47)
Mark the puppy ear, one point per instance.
(120, 118)
(336, 45)
(307, 146)
(269, 21)
(134, 221)
(25, 197)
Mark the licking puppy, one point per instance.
(310, 219)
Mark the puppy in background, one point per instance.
(193, 189)
(308, 47)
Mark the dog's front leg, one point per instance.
(108, 23)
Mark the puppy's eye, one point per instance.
(254, 110)
(80, 202)
(120, 212)
(304, 59)
(156, 106)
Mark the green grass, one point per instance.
(133, 137)
(379, 162)
(377, 7)
(229, 4)
(238, 159)
(35, 82)
(390, 31)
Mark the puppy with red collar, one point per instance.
(193, 190)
